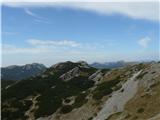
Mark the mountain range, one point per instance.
(78, 91)
(16, 72)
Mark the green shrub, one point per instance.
(66, 109)
(48, 104)
(80, 100)
(140, 110)
(20, 109)
(5, 83)
(140, 66)
(104, 88)
(90, 118)
(104, 70)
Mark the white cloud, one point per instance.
(136, 10)
(143, 10)
(11, 49)
(40, 46)
(144, 42)
(65, 43)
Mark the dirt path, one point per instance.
(30, 112)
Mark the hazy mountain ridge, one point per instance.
(76, 91)
(16, 72)
(112, 64)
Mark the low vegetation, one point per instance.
(66, 109)
(140, 110)
(80, 100)
(5, 83)
(104, 88)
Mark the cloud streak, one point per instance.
(41, 21)
(10, 33)
(37, 17)
(65, 43)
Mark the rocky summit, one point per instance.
(77, 91)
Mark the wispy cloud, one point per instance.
(42, 21)
(29, 12)
(67, 43)
(132, 9)
(36, 16)
(10, 33)
(144, 42)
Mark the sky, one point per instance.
(94, 32)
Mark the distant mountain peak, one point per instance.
(18, 72)
(34, 65)
(11, 67)
(62, 65)
(83, 63)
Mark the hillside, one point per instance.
(76, 91)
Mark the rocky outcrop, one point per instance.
(70, 74)
(83, 64)
(96, 76)
(149, 76)
(156, 117)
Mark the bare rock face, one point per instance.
(149, 76)
(96, 76)
(70, 74)
(156, 117)
(119, 99)
(83, 64)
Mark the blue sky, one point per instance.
(51, 33)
